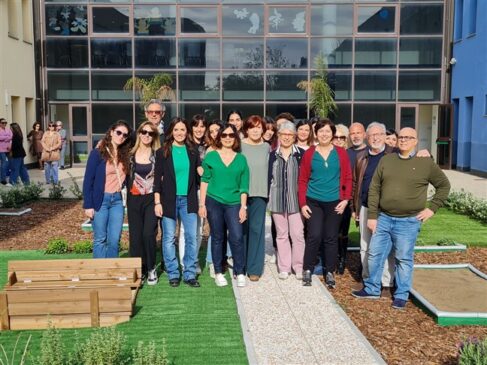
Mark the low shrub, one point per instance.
(32, 191)
(148, 355)
(52, 348)
(465, 203)
(84, 246)
(473, 352)
(56, 191)
(74, 188)
(57, 246)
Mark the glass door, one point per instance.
(407, 116)
(444, 139)
(80, 130)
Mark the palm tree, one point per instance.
(321, 95)
(157, 87)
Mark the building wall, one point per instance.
(469, 84)
(17, 68)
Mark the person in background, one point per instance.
(325, 187)
(270, 133)
(312, 122)
(304, 134)
(223, 200)
(62, 133)
(51, 146)
(235, 118)
(357, 140)
(17, 157)
(5, 145)
(140, 200)
(104, 180)
(283, 117)
(154, 113)
(391, 138)
(35, 138)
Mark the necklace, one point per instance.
(323, 157)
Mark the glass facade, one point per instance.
(250, 55)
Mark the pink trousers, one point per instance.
(289, 256)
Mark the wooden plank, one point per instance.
(4, 319)
(66, 321)
(94, 309)
(65, 295)
(72, 284)
(73, 264)
(77, 275)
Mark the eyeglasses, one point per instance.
(286, 134)
(145, 132)
(341, 138)
(156, 112)
(406, 138)
(376, 135)
(228, 135)
(120, 133)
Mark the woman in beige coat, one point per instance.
(51, 145)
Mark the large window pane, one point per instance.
(104, 115)
(287, 20)
(336, 51)
(287, 53)
(299, 111)
(68, 85)
(109, 86)
(421, 19)
(341, 83)
(111, 20)
(375, 85)
(243, 53)
(152, 53)
(246, 109)
(111, 53)
(210, 111)
(154, 20)
(368, 113)
(199, 53)
(67, 52)
(243, 86)
(332, 20)
(243, 20)
(66, 20)
(420, 52)
(376, 19)
(197, 85)
(421, 86)
(147, 75)
(342, 115)
(199, 20)
(283, 86)
(375, 53)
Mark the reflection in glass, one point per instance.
(80, 152)
(79, 120)
(110, 20)
(332, 20)
(297, 110)
(195, 85)
(111, 53)
(242, 20)
(243, 86)
(155, 53)
(199, 20)
(71, 85)
(154, 20)
(368, 113)
(287, 20)
(421, 19)
(336, 51)
(341, 83)
(104, 115)
(67, 52)
(283, 86)
(146, 75)
(287, 53)
(375, 53)
(420, 52)
(376, 19)
(66, 20)
(210, 111)
(343, 114)
(109, 86)
(243, 53)
(375, 85)
(420, 86)
(199, 53)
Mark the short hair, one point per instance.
(59, 122)
(236, 141)
(285, 115)
(196, 120)
(342, 128)
(155, 101)
(390, 132)
(252, 122)
(323, 123)
(376, 124)
(290, 126)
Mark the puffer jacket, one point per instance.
(5, 140)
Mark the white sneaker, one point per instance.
(273, 259)
(299, 276)
(212, 270)
(283, 275)
(220, 280)
(152, 277)
(241, 280)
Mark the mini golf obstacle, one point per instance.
(453, 294)
(457, 247)
(86, 226)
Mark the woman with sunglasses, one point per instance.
(175, 197)
(103, 185)
(140, 199)
(223, 200)
(51, 145)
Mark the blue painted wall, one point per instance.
(469, 86)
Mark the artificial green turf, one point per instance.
(200, 325)
(445, 224)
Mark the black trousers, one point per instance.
(322, 235)
(142, 229)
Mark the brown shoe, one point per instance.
(386, 292)
(254, 277)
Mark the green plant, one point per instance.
(84, 246)
(74, 188)
(148, 355)
(32, 191)
(465, 203)
(52, 348)
(446, 242)
(57, 246)
(473, 351)
(157, 87)
(56, 191)
(4, 360)
(12, 198)
(103, 347)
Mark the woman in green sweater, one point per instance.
(223, 200)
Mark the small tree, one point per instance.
(321, 96)
(157, 87)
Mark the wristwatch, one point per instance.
(244, 207)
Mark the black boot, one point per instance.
(342, 254)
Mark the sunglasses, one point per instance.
(50, 125)
(120, 133)
(150, 133)
(341, 138)
(156, 112)
(228, 135)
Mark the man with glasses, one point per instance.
(154, 112)
(62, 133)
(5, 146)
(397, 207)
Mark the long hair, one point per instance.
(168, 141)
(123, 151)
(16, 130)
(155, 140)
(236, 141)
(210, 142)
(310, 139)
(194, 122)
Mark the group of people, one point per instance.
(47, 147)
(313, 176)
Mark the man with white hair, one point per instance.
(154, 113)
(63, 134)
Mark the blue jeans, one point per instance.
(209, 259)
(18, 169)
(107, 226)
(393, 233)
(188, 220)
(51, 169)
(221, 215)
(3, 166)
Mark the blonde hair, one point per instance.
(155, 140)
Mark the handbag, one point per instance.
(49, 156)
(123, 189)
